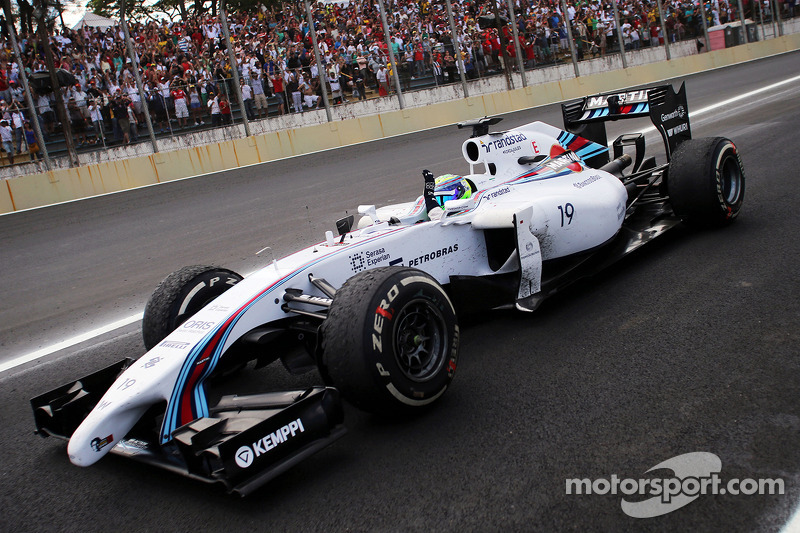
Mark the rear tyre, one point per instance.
(390, 341)
(706, 182)
(179, 296)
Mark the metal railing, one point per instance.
(102, 116)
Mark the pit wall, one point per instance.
(225, 148)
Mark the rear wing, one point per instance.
(666, 108)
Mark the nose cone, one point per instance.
(101, 431)
(81, 453)
(89, 443)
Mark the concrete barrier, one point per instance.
(292, 135)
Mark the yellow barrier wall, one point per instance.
(68, 184)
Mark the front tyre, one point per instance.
(390, 341)
(706, 182)
(179, 296)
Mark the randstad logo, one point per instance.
(694, 474)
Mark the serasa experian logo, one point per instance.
(357, 263)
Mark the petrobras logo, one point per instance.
(503, 142)
(245, 455)
(435, 254)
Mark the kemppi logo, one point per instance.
(245, 455)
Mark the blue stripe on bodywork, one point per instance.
(172, 414)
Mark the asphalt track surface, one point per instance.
(689, 345)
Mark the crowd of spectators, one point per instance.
(188, 78)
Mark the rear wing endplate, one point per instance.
(666, 108)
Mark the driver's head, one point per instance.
(451, 187)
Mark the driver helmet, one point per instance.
(451, 187)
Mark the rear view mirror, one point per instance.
(344, 225)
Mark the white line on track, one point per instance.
(793, 525)
(729, 101)
(68, 343)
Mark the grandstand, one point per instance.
(189, 81)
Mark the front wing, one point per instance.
(243, 443)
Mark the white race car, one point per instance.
(374, 307)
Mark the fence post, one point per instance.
(517, 47)
(320, 70)
(619, 34)
(501, 36)
(565, 16)
(457, 49)
(234, 67)
(705, 26)
(136, 75)
(395, 75)
(664, 29)
(44, 42)
(12, 33)
(777, 17)
(742, 23)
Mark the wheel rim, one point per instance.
(420, 340)
(730, 179)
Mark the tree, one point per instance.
(198, 8)
(171, 9)
(25, 16)
(104, 8)
(110, 9)
(250, 5)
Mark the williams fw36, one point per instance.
(374, 307)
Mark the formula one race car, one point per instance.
(374, 308)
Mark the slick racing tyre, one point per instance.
(179, 296)
(390, 341)
(706, 182)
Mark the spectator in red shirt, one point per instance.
(5, 90)
(419, 60)
(278, 89)
(181, 104)
(225, 109)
